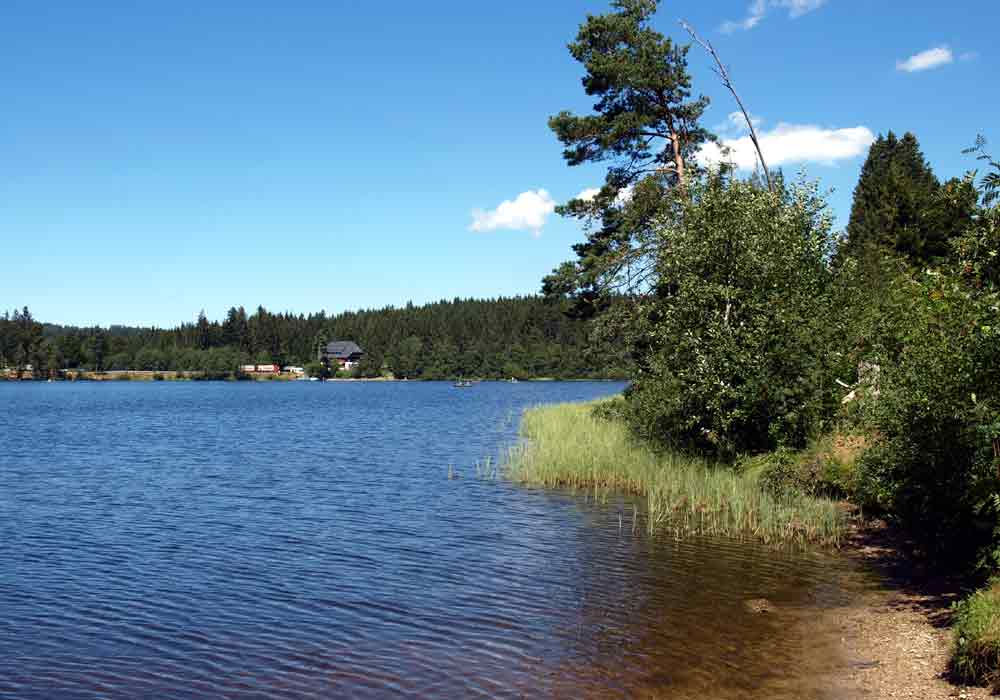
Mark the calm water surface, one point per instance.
(299, 540)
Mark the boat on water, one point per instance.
(462, 384)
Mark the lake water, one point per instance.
(303, 540)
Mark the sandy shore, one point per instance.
(896, 635)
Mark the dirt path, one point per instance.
(897, 636)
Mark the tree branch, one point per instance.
(728, 83)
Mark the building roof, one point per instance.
(342, 349)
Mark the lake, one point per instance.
(304, 540)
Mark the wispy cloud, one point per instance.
(526, 212)
(588, 194)
(797, 8)
(926, 60)
(736, 124)
(755, 14)
(792, 143)
(758, 10)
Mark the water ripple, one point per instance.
(304, 541)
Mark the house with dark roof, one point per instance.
(345, 353)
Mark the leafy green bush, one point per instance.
(317, 369)
(614, 409)
(935, 467)
(976, 652)
(826, 467)
(742, 329)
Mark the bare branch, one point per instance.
(728, 83)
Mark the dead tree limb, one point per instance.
(728, 83)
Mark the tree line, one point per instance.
(521, 337)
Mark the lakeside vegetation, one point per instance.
(522, 337)
(575, 446)
(797, 360)
(976, 655)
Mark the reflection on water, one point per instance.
(303, 540)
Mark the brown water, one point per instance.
(304, 541)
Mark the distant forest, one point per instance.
(524, 337)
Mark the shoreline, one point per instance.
(896, 636)
(891, 638)
(199, 376)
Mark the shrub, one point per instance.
(936, 409)
(827, 467)
(317, 369)
(741, 331)
(976, 652)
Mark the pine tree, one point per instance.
(646, 125)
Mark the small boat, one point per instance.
(462, 384)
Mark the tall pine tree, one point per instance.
(645, 124)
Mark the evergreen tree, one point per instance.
(28, 336)
(900, 207)
(204, 331)
(646, 124)
(97, 349)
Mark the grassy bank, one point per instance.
(567, 446)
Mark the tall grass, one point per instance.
(566, 445)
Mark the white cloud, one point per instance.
(624, 195)
(755, 14)
(797, 8)
(736, 123)
(758, 11)
(527, 212)
(792, 143)
(925, 60)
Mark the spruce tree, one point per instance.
(900, 207)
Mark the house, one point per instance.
(345, 353)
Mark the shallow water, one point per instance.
(298, 540)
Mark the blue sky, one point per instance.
(157, 159)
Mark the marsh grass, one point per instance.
(567, 446)
(488, 468)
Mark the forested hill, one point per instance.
(520, 337)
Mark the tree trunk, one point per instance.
(678, 158)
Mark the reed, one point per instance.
(566, 445)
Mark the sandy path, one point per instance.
(896, 635)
